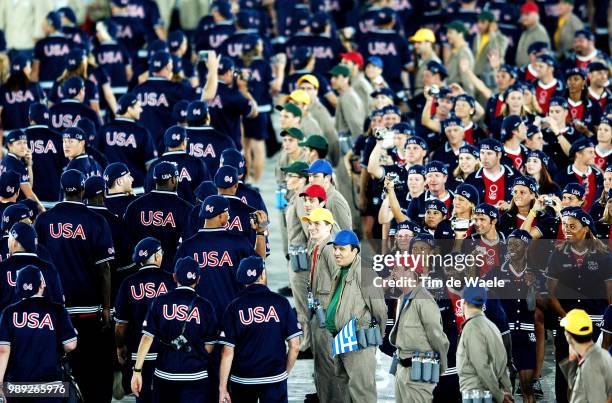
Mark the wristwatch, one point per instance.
(137, 369)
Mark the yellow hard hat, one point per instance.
(577, 322)
(319, 214)
(309, 78)
(423, 35)
(300, 96)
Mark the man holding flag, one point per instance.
(358, 310)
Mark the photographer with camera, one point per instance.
(185, 325)
(455, 139)
(436, 175)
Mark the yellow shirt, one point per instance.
(484, 39)
(560, 25)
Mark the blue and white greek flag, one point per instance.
(346, 340)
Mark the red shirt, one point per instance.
(494, 189)
(517, 159)
(590, 189)
(602, 99)
(455, 300)
(491, 257)
(498, 105)
(544, 93)
(601, 160)
(469, 134)
(582, 62)
(576, 110)
(530, 74)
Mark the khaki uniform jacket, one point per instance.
(454, 72)
(359, 298)
(591, 381)
(536, 34)
(284, 160)
(497, 41)
(350, 113)
(421, 67)
(296, 232)
(324, 271)
(336, 204)
(327, 124)
(310, 126)
(568, 31)
(22, 21)
(481, 358)
(418, 327)
(364, 89)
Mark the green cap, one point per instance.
(298, 167)
(457, 26)
(340, 70)
(291, 108)
(486, 16)
(293, 132)
(315, 141)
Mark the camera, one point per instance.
(433, 90)
(394, 177)
(202, 56)
(244, 74)
(548, 200)
(386, 136)
(180, 344)
(253, 217)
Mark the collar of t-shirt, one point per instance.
(495, 177)
(580, 173)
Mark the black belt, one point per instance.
(405, 362)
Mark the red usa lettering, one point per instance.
(62, 120)
(9, 279)
(200, 150)
(257, 315)
(65, 230)
(55, 50)
(120, 139)
(39, 147)
(181, 313)
(382, 48)
(32, 320)
(157, 219)
(153, 99)
(211, 259)
(16, 97)
(234, 224)
(147, 290)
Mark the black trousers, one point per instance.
(165, 391)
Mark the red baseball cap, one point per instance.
(315, 191)
(354, 57)
(530, 8)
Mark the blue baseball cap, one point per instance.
(205, 189)
(319, 21)
(488, 210)
(509, 124)
(94, 185)
(226, 177)
(247, 18)
(475, 295)
(74, 59)
(187, 271)
(345, 237)
(88, 127)
(72, 181)
(9, 184)
(301, 55)
(222, 7)
(300, 19)
(175, 40)
(249, 43)
(158, 61)
(469, 192)
(15, 135)
(522, 235)
(547, 59)
(376, 61)
(197, 111)
(451, 121)
(558, 101)
(469, 149)
(575, 71)
(146, 248)
(39, 113)
(165, 170)
(436, 166)
(418, 141)
(527, 181)
(575, 189)
(73, 86)
(157, 45)
(25, 234)
(233, 158)
(18, 63)
(580, 145)
(75, 133)
(29, 280)
(391, 109)
(537, 47)
(174, 136)
(388, 92)
(409, 225)
(422, 237)
(13, 214)
(466, 98)
(417, 170)
(597, 66)
(584, 33)
(437, 205)
(510, 69)
(213, 206)
(125, 102)
(177, 64)
(580, 215)
(435, 67)
(320, 167)
(225, 64)
(492, 145)
(54, 19)
(250, 269)
(113, 172)
(384, 16)
(179, 111)
(540, 155)
(67, 13)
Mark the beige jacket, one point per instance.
(327, 125)
(350, 113)
(454, 71)
(566, 36)
(359, 298)
(421, 67)
(535, 34)
(481, 358)
(364, 89)
(324, 271)
(335, 203)
(418, 327)
(22, 20)
(497, 41)
(297, 233)
(591, 381)
(284, 161)
(310, 126)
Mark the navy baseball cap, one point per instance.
(157, 45)
(392, 109)
(388, 92)
(300, 19)
(575, 71)
(580, 145)
(509, 124)
(126, 101)
(527, 181)
(67, 13)
(539, 155)
(233, 158)
(491, 144)
(174, 136)
(437, 205)
(144, 249)
(320, 167)
(158, 61)
(376, 61)
(25, 234)
(213, 206)
(18, 63)
(301, 55)
(537, 47)
(597, 66)
(469, 149)
(72, 181)
(74, 133)
(558, 101)
(469, 192)
(179, 111)
(522, 235)
(418, 141)
(29, 280)
(39, 113)
(319, 21)
(417, 170)
(451, 121)
(175, 40)
(547, 59)
(250, 269)
(436, 166)
(510, 69)
(113, 172)
(580, 215)
(187, 271)
(74, 58)
(73, 86)
(165, 170)
(584, 33)
(247, 18)
(205, 189)
(422, 237)
(9, 184)
(15, 135)
(466, 98)
(54, 19)
(409, 225)
(488, 210)
(575, 189)
(222, 7)
(435, 67)
(226, 177)
(345, 237)
(197, 111)
(177, 64)
(249, 43)
(88, 127)
(94, 185)
(384, 16)
(532, 130)
(225, 64)
(475, 295)
(13, 214)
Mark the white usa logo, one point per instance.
(197, 112)
(191, 275)
(142, 253)
(251, 273)
(209, 208)
(227, 179)
(10, 189)
(592, 266)
(176, 136)
(28, 287)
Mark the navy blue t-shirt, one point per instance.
(130, 33)
(325, 50)
(51, 53)
(114, 58)
(227, 109)
(16, 105)
(117, 203)
(192, 172)
(68, 112)
(92, 93)
(11, 162)
(207, 143)
(86, 165)
(146, 13)
(48, 161)
(260, 73)
(210, 38)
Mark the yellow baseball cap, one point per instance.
(577, 322)
(300, 96)
(423, 35)
(319, 214)
(309, 78)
